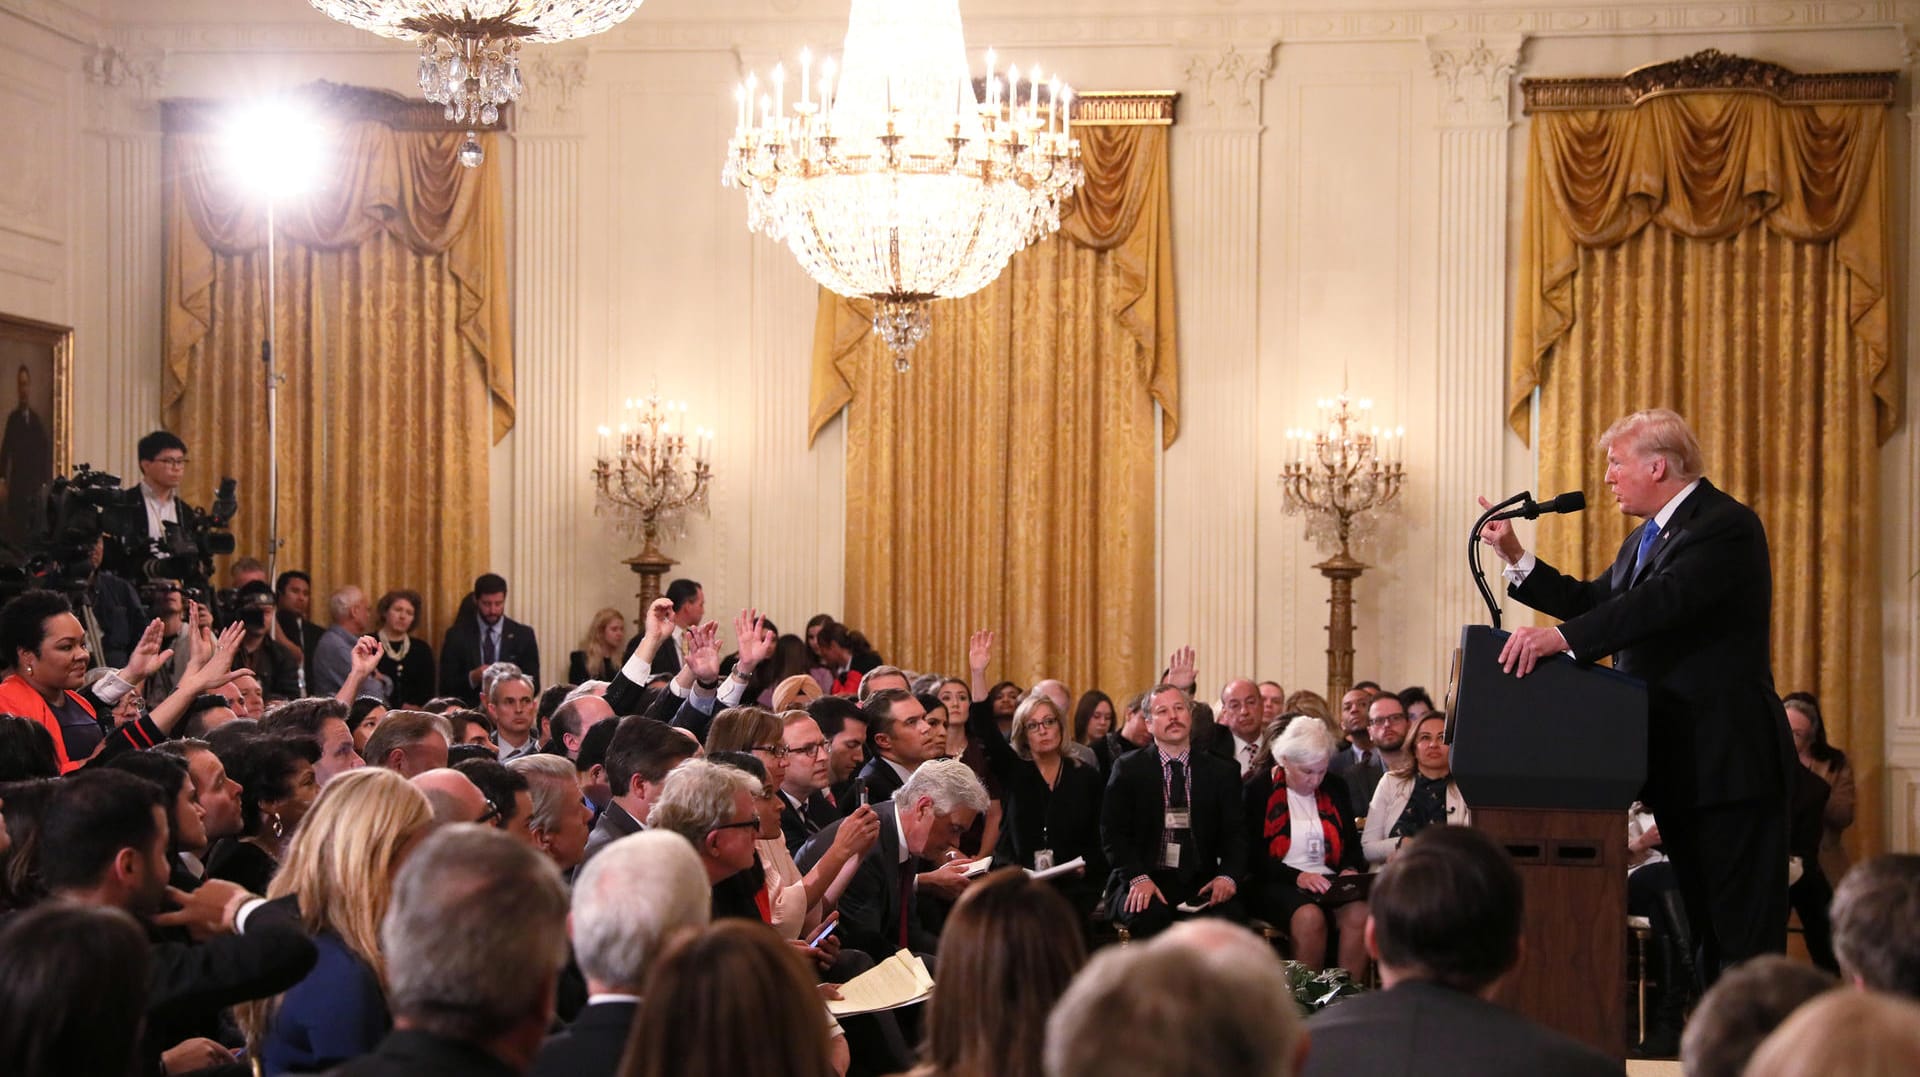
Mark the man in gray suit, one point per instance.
(1444, 927)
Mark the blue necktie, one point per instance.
(1649, 532)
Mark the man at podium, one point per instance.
(1685, 607)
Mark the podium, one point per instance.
(1549, 763)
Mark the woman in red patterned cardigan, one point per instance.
(1300, 821)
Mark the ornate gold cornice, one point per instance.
(1710, 71)
(334, 102)
(1125, 108)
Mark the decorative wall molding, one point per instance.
(1225, 83)
(1126, 108)
(1099, 25)
(1476, 78)
(554, 79)
(52, 15)
(1710, 70)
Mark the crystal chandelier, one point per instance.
(470, 49)
(895, 182)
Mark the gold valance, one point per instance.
(1705, 165)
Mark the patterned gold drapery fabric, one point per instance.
(1727, 256)
(1007, 481)
(394, 340)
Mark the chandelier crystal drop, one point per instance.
(894, 181)
(470, 49)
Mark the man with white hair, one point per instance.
(561, 821)
(713, 808)
(1687, 607)
(1218, 984)
(332, 660)
(922, 823)
(472, 990)
(635, 896)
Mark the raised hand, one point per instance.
(980, 650)
(366, 655)
(199, 638)
(214, 672)
(147, 656)
(703, 654)
(756, 642)
(1182, 669)
(660, 619)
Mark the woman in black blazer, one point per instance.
(1051, 803)
(599, 656)
(404, 658)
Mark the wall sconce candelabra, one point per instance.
(648, 475)
(1337, 475)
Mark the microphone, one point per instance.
(1572, 501)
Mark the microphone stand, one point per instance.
(1473, 552)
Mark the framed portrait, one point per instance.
(37, 442)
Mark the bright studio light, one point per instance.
(274, 148)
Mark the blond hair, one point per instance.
(340, 867)
(1023, 714)
(594, 643)
(1860, 1033)
(1659, 432)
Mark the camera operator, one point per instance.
(163, 464)
(111, 610)
(273, 662)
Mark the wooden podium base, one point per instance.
(1573, 963)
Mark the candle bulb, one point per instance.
(1033, 90)
(1066, 107)
(806, 77)
(780, 92)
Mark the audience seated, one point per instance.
(364, 715)
(1180, 1006)
(26, 750)
(805, 803)
(1172, 826)
(902, 736)
(471, 986)
(509, 798)
(712, 806)
(1876, 924)
(639, 758)
(22, 805)
(339, 875)
(729, 1000)
(1012, 947)
(73, 989)
(573, 719)
(1744, 1005)
(409, 742)
(1857, 1033)
(559, 821)
(1444, 926)
(1417, 794)
(919, 826)
(278, 785)
(103, 841)
(642, 891)
(1304, 837)
(844, 725)
(323, 720)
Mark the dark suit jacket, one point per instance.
(614, 824)
(799, 824)
(878, 780)
(1132, 816)
(591, 1046)
(1063, 817)
(1695, 627)
(578, 673)
(1434, 1031)
(419, 1054)
(460, 653)
(870, 906)
(190, 983)
(666, 660)
(1360, 781)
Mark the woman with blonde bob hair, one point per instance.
(340, 870)
(600, 652)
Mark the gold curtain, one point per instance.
(394, 341)
(1727, 256)
(1007, 481)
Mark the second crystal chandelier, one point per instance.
(895, 181)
